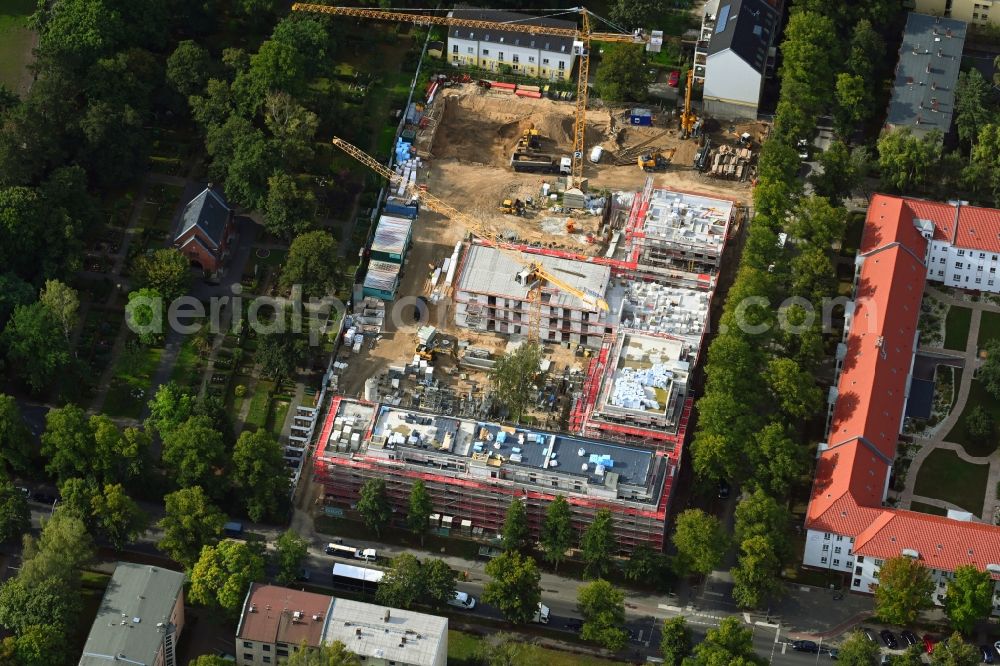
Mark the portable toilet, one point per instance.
(641, 117)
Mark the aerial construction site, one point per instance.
(512, 214)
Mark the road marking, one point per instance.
(784, 646)
(746, 618)
(769, 625)
(714, 594)
(672, 609)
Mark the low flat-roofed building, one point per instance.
(276, 620)
(473, 469)
(383, 636)
(140, 618)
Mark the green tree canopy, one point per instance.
(953, 651)
(191, 522)
(598, 545)
(516, 533)
(779, 462)
(972, 105)
(169, 408)
(15, 439)
(290, 210)
(602, 607)
(64, 304)
(514, 587)
(259, 473)
(557, 534)
(290, 551)
(904, 589)
(117, 516)
(675, 641)
(420, 509)
(189, 67)
(503, 649)
(907, 162)
(334, 654)
(730, 643)
(15, 519)
(280, 353)
(700, 540)
(402, 585)
(58, 553)
(36, 349)
(223, 573)
(373, 505)
(621, 75)
(512, 378)
(857, 650)
(313, 263)
(756, 576)
(989, 371)
(194, 451)
(166, 270)
(144, 315)
(759, 514)
(969, 599)
(439, 583)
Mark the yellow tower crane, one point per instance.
(581, 49)
(533, 273)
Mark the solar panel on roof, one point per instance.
(720, 25)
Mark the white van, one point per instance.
(596, 153)
(463, 600)
(366, 554)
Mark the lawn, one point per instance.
(259, 405)
(15, 40)
(956, 328)
(279, 411)
(463, 649)
(187, 368)
(989, 329)
(978, 396)
(927, 508)
(945, 476)
(129, 390)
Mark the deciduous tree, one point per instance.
(36, 348)
(621, 75)
(904, 589)
(513, 376)
(969, 599)
(15, 438)
(420, 509)
(169, 408)
(166, 270)
(15, 519)
(953, 651)
(439, 583)
(598, 545)
(557, 534)
(759, 514)
(290, 551)
(602, 607)
(972, 101)
(514, 586)
(313, 263)
(191, 522)
(730, 643)
(223, 573)
(700, 541)
(906, 162)
(64, 304)
(756, 574)
(333, 654)
(259, 472)
(280, 353)
(194, 452)
(516, 533)
(144, 315)
(402, 585)
(189, 67)
(979, 423)
(675, 641)
(290, 210)
(117, 516)
(857, 650)
(373, 505)
(779, 462)
(502, 649)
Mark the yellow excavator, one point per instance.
(512, 207)
(688, 119)
(654, 161)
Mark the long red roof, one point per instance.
(852, 472)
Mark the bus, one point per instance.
(359, 579)
(340, 550)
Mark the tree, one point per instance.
(502, 649)
(167, 271)
(294, 129)
(675, 641)
(144, 315)
(63, 303)
(15, 438)
(512, 378)
(516, 533)
(778, 461)
(989, 371)
(631, 14)
(13, 292)
(646, 565)
(76, 497)
(290, 210)
(602, 607)
(857, 650)
(193, 452)
(58, 553)
(904, 589)
(759, 514)
(191, 522)
(839, 173)
(514, 586)
(700, 541)
(290, 551)
(36, 348)
(259, 470)
(15, 519)
(313, 263)
(953, 651)
(970, 598)
(119, 518)
(439, 583)
(972, 101)
(188, 68)
(41, 645)
(280, 353)
(373, 505)
(48, 602)
(169, 408)
(402, 585)
(240, 154)
(598, 545)
(421, 508)
(333, 654)
(621, 76)
(756, 574)
(557, 533)
(979, 423)
(223, 573)
(731, 643)
(67, 442)
(116, 455)
(853, 101)
(816, 221)
(813, 274)
(211, 660)
(906, 161)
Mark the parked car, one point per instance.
(25, 491)
(803, 148)
(834, 653)
(908, 637)
(463, 600)
(889, 639)
(575, 625)
(987, 652)
(724, 489)
(674, 79)
(43, 497)
(929, 643)
(805, 646)
(996, 646)
(303, 575)
(869, 634)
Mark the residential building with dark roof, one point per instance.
(276, 621)
(536, 55)
(849, 527)
(206, 231)
(735, 54)
(923, 92)
(140, 619)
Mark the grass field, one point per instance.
(945, 476)
(956, 328)
(928, 508)
(978, 396)
(259, 405)
(463, 649)
(989, 328)
(129, 390)
(15, 40)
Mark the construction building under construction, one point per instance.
(473, 469)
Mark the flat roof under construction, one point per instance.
(688, 218)
(649, 375)
(490, 271)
